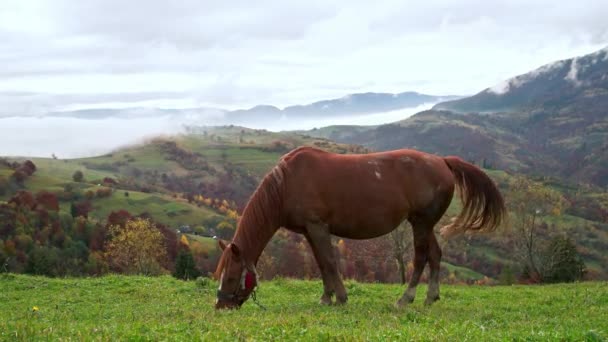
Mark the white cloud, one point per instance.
(242, 53)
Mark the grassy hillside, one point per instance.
(568, 143)
(54, 175)
(139, 308)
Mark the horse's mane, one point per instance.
(267, 201)
(262, 215)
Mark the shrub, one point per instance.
(28, 167)
(506, 277)
(78, 176)
(42, 260)
(19, 176)
(104, 192)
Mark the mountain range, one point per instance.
(352, 104)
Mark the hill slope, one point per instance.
(552, 121)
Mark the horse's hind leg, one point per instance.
(320, 241)
(434, 265)
(421, 249)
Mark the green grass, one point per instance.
(139, 308)
(257, 161)
(208, 243)
(462, 272)
(163, 209)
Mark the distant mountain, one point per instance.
(354, 104)
(552, 86)
(552, 122)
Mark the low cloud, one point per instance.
(71, 138)
(91, 133)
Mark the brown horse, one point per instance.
(319, 194)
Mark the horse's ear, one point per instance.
(221, 243)
(235, 250)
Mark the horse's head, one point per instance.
(237, 278)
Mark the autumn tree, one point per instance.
(47, 200)
(136, 248)
(119, 218)
(530, 202)
(23, 199)
(81, 208)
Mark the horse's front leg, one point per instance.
(319, 239)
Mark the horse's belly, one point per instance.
(361, 234)
(367, 227)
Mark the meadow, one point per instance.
(162, 308)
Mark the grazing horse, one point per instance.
(319, 194)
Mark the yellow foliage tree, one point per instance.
(232, 214)
(184, 241)
(137, 248)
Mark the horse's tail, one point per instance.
(483, 207)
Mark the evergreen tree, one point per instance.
(561, 262)
(185, 267)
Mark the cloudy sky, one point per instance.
(59, 55)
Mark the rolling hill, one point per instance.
(162, 175)
(223, 163)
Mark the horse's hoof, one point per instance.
(400, 305)
(430, 301)
(403, 302)
(325, 300)
(341, 300)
